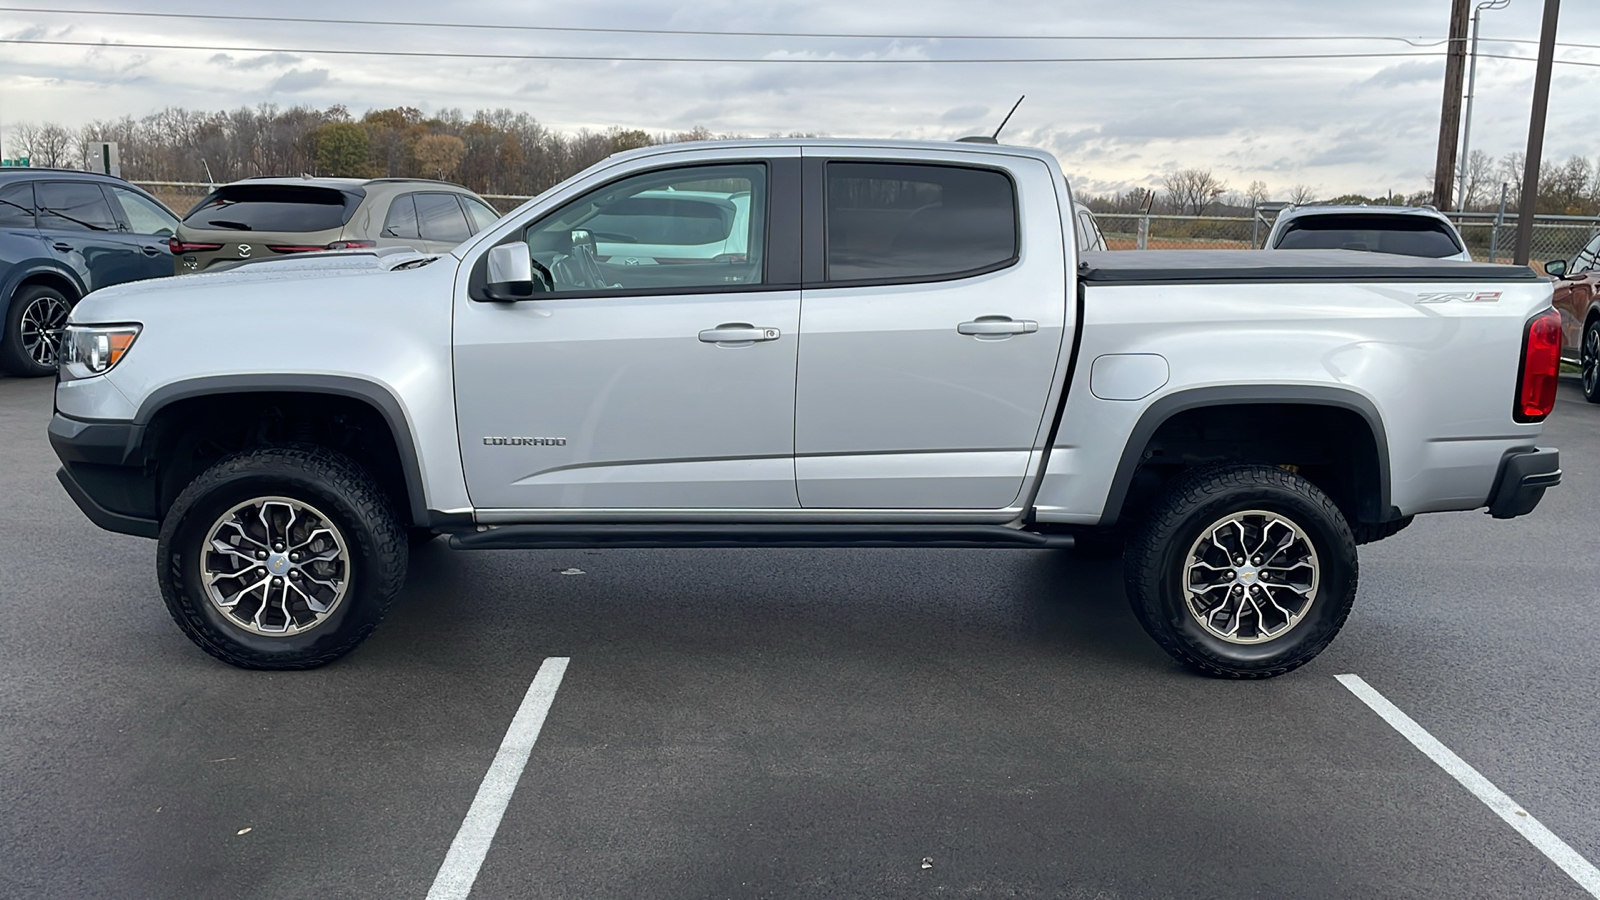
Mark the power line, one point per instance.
(571, 29)
(439, 54)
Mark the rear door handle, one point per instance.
(989, 325)
(738, 333)
(63, 246)
(152, 251)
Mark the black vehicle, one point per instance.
(64, 233)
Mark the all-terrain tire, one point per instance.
(1156, 561)
(349, 502)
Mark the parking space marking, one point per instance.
(461, 864)
(1559, 852)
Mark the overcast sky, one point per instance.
(1338, 125)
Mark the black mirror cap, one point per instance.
(1556, 268)
(509, 291)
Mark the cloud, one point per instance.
(964, 114)
(296, 80)
(1407, 73)
(276, 60)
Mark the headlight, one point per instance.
(89, 350)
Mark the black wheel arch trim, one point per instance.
(376, 395)
(1166, 407)
(25, 271)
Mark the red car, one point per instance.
(1577, 296)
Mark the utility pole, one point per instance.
(1455, 66)
(1541, 103)
(1472, 89)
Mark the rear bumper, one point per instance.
(1524, 475)
(102, 473)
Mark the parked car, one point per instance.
(64, 233)
(1088, 230)
(266, 217)
(948, 380)
(1404, 230)
(1577, 298)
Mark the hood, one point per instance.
(302, 267)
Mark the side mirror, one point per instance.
(1556, 268)
(510, 275)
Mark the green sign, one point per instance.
(19, 163)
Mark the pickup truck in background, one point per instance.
(908, 350)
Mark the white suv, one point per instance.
(1406, 230)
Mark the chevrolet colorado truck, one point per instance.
(904, 348)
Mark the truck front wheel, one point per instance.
(1242, 571)
(280, 558)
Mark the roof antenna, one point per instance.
(993, 138)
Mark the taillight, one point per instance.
(177, 246)
(1541, 367)
(293, 248)
(351, 245)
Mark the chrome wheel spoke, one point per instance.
(1266, 568)
(275, 566)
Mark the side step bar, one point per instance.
(569, 537)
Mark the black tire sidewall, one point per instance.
(1336, 589)
(1583, 351)
(14, 357)
(182, 537)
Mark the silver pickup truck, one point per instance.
(803, 343)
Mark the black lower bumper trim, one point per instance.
(1524, 476)
(572, 537)
(105, 518)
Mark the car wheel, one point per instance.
(1242, 571)
(1589, 361)
(281, 558)
(34, 324)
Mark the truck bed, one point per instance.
(1214, 266)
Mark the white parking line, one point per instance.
(1581, 870)
(461, 864)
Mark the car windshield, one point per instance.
(274, 207)
(1378, 233)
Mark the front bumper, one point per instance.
(1524, 475)
(104, 473)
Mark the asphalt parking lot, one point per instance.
(797, 723)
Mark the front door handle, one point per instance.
(992, 325)
(738, 333)
(63, 246)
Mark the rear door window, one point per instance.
(440, 218)
(1587, 259)
(16, 206)
(911, 222)
(402, 219)
(274, 207)
(1377, 233)
(145, 216)
(74, 206)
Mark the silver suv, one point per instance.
(1405, 230)
(264, 217)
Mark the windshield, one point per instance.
(1378, 233)
(274, 207)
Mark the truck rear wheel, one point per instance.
(1242, 571)
(280, 558)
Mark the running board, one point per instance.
(572, 537)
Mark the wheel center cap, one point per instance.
(1248, 574)
(278, 563)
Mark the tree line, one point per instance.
(492, 152)
(1570, 188)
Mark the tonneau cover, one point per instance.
(1200, 266)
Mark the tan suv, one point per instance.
(264, 217)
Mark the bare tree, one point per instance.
(48, 145)
(1480, 179)
(1302, 194)
(1192, 190)
(1256, 193)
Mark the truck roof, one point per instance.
(1196, 266)
(839, 143)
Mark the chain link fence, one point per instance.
(1489, 237)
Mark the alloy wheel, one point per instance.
(1250, 577)
(275, 566)
(1590, 359)
(42, 324)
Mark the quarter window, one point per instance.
(481, 214)
(904, 222)
(74, 206)
(1588, 259)
(675, 229)
(16, 206)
